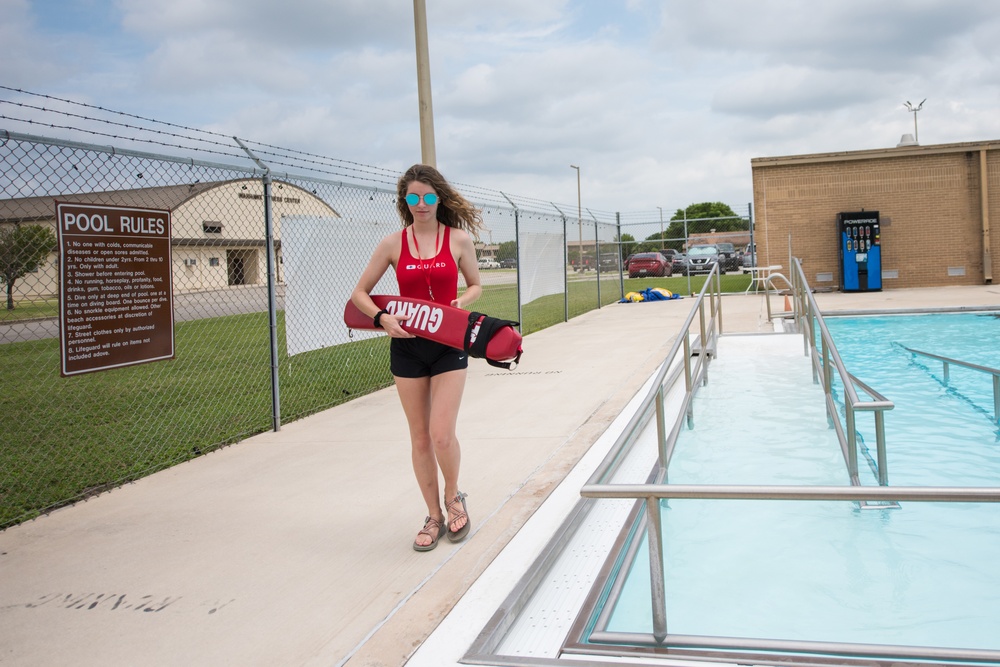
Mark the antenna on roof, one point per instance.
(915, 109)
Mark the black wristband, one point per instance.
(378, 316)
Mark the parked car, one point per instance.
(609, 261)
(508, 263)
(701, 259)
(649, 264)
(669, 253)
(487, 263)
(730, 257)
(749, 258)
(679, 264)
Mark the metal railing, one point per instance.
(652, 494)
(701, 350)
(825, 360)
(947, 362)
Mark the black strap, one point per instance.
(487, 327)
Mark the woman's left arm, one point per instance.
(465, 255)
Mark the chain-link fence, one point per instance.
(261, 266)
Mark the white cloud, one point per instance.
(660, 103)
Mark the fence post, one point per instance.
(565, 264)
(597, 256)
(618, 254)
(517, 256)
(272, 301)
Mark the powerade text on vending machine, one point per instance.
(860, 251)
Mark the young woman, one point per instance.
(436, 242)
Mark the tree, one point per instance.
(507, 250)
(23, 249)
(707, 210)
(627, 246)
(657, 241)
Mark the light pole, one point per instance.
(915, 109)
(428, 154)
(579, 214)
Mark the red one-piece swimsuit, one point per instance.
(434, 279)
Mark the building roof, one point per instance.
(874, 154)
(166, 197)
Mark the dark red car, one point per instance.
(649, 264)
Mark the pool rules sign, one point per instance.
(115, 287)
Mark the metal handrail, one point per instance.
(947, 361)
(709, 327)
(825, 361)
(769, 285)
(652, 494)
(805, 310)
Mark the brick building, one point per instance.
(935, 204)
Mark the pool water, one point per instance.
(957, 419)
(920, 575)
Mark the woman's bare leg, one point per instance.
(446, 398)
(415, 396)
(431, 407)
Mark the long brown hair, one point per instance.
(453, 210)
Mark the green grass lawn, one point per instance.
(68, 437)
(65, 438)
(25, 309)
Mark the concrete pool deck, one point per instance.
(293, 548)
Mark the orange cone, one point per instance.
(788, 305)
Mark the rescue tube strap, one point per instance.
(481, 329)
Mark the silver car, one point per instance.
(701, 259)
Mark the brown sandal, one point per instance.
(452, 506)
(430, 523)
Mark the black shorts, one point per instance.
(419, 357)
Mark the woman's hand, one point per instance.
(393, 325)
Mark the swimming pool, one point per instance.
(827, 571)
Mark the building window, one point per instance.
(212, 227)
(213, 261)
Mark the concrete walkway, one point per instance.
(293, 548)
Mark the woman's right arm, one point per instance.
(382, 259)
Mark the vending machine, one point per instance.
(860, 251)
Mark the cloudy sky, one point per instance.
(662, 103)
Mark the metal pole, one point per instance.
(883, 466)
(852, 436)
(657, 583)
(996, 398)
(272, 308)
(662, 243)
(517, 255)
(686, 249)
(579, 214)
(621, 274)
(565, 275)
(427, 153)
(597, 257)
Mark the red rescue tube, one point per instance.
(447, 325)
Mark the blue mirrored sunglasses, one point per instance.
(413, 199)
